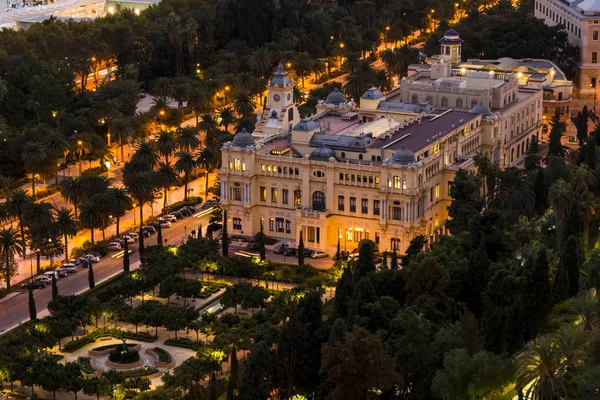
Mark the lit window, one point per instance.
(236, 164)
(436, 148)
(237, 224)
(437, 191)
(269, 168)
(271, 224)
(397, 182)
(404, 184)
(263, 167)
(263, 193)
(243, 166)
(230, 165)
(274, 195)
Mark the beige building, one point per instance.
(581, 19)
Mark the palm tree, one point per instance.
(243, 104)
(140, 186)
(166, 144)
(122, 130)
(388, 58)
(185, 164)
(67, 226)
(586, 307)
(111, 109)
(210, 126)
(57, 146)
(483, 165)
(146, 154)
(38, 217)
(119, 203)
(227, 117)
(35, 158)
(15, 206)
(166, 177)
(561, 196)
(11, 243)
(190, 34)
(260, 61)
(187, 139)
(208, 159)
(355, 85)
(91, 217)
(197, 99)
(515, 194)
(162, 88)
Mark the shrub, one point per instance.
(92, 171)
(77, 344)
(128, 357)
(191, 201)
(117, 346)
(50, 190)
(185, 343)
(163, 355)
(100, 247)
(139, 372)
(3, 292)
(84, 364)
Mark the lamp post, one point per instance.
(80, 146)
(345, 239)
(104, 314)
(387, 29)
(108, 139)
(342, 45)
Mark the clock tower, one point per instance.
(280, 114)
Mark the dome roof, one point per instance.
(336, 97)
(481, 109)
(451, 37)
(506, 64)
(403, 156)
(280, 78)
(306, 125)
(243, 139)
(322, 153)
(372, 94)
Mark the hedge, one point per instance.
(77, 344)
(84, 364)
(191, 201)
(112, 346)
(163, 355)
(139, 372)
(115, 333)
(184, 343)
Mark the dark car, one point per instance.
(308, 252)
(343, 255)
(252, 247)
(280, 248)
(207, 204)
(191, 209)
(177, 214)
(149, 229)
(33, 285)
(291, 252)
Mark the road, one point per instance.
(15, 310)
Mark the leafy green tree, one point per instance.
(344, 292)
(301, 250)
(532, 159)
(591, 153)
(49, 374)
(260, 239)
(415, 246)
(73, 379)
(466, 201)
(141, 187)
(257, 380)
(209, 160)
(538, 293)
(67, 226)
(364, 264)
(32, 309)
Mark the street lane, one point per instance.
(15, 310)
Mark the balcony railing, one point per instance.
(309, 213)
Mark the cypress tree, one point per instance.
(91, 276)
(394, 261)
(230, 395)
(570, 257)
(199, 231)
(364, 264)
(384, 262)
(212, 395)
(560, 286)
(261, 242)
(126, 256)
(301, 250)
(415, 246)
(54, 288)
(235, 370)
(581, 124)
(541, 192)
(538, 294)
(337, 252)
(225, 237)
(32, 309)
(555, 147)
(478, 278)
(532, 159)
(591, 158)
(159, 239)
(344, 292)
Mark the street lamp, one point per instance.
(387, 29)
(80, 145)
(108, 139)
(104, 314)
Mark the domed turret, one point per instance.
(323, 153)
(480, 109)
(306, 125)
(336, 97)
(243, 139)
(403, 156)
(280, 78)
(372, 94)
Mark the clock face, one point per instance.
(289, 96)
(276, 97)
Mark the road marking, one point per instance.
(203, 212)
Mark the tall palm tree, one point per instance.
(210, 126)
(197, 98)
(185, 164)
(355, 85)
(483, 165)
(140, 186)
(122, 130)
(11, 243)
(119, 203)
(35, 157)
(166, 144)
(586, 307)
(166, 176)
(260, 61)
(515, 194)
(110, 109)
(56, 146)
(187, 139)
(227, 117)
(146, 153)
(15, 206)
(67, 226)
(208, 159)
(38, 217)
(91, 217)
(162, 88)
(243, 104)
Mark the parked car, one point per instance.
(377, 260)
(60, 272)
(50, 274)
(128, 238)
(280, 248)
(164, 224)
(33, 285)
(68, 268)
(170, 218)
(44, 278)
(177, 214)
(134, 235)
(207, 204)
(150, 229)
(92, 257)
(114, 246)
(185, 212)
(343, 255)
(291, 252)
(252, 247)
(190, 209)
(319, 254)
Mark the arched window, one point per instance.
(291, 114)
(343, 155)
(444, 102)
(415, 99)
(378, 158)
(360, 156)
(430, 100)
(318, 201)
(372, 158)
(459, 103)
(473, 103)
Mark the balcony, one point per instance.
(309, 213)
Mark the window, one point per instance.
(319, 174)
(279, 224)
(237, 224)
(397, 182)
(594, 57)
(236, 164)
(415, 99)
(394, 244)
(595, 35)
(288, 226)
(340, 203)
(263, 167)
(437, 191)
(404, 184)
(593, 83)
(365, 206)
(318, 201)
(237, 194)
(263, 193)
(243, 166)
(343, 155)
(230, 165)
(376, 207)
(274, 195)
(291, 114)
(459, 103)
(284, 196)
(352, 204)
(397, 213)
(297, 196)
(444, 102)
(271, 224)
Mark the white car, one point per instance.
(170, 218)
(114, 246)
(128, 238)
(92, 257)
(51, 274)
(134, 235)
(164, 224)
(68, 268)
(44, 278)
(319, 254)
